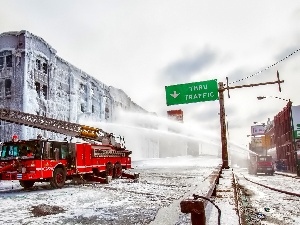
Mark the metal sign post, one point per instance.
(222, 112)
(208, 91)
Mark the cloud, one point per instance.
(183, 69)
(237, 75)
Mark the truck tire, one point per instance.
(118, 170)
(58, 179)
(26, 183)
(109, 169)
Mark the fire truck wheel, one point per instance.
(117, 170)
(109, 169)
(26, 183)
(58, 179)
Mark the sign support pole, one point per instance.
(223, 127)
(221, 90)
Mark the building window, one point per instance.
(1, 62)
(1, 89)
(82, 107)
(38, 88)
(45, 68)
(38, 64)
(7, 87)
(5, 59)
(82, 88)
(9, 61)
(45, 91)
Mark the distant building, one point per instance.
(175, 115)
(281, 138)
(34, 79)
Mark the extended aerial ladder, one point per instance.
(53, 125)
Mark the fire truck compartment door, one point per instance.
(83, 155)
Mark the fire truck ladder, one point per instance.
(54, 125)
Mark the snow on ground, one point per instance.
(225, 200)
(154, 200)
(267, 206)
(163, 182)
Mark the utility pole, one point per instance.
(222, 113)
(223, 127)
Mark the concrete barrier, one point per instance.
(196, 206)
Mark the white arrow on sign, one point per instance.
(175, 95)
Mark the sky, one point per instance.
(143, 46)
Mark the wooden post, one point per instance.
(223, 127)
(198, 219)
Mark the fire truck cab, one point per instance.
(261, 164)
(265, 164)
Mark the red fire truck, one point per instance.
(44, 160)
(261, 164)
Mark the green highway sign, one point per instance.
(192, 92)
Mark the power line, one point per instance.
(266, 67)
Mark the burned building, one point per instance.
(34, 79)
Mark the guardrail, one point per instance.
(196, 206)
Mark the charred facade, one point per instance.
(34, 79)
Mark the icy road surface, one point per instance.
(156, 197)
(266, 206)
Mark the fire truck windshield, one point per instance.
(25, 149)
